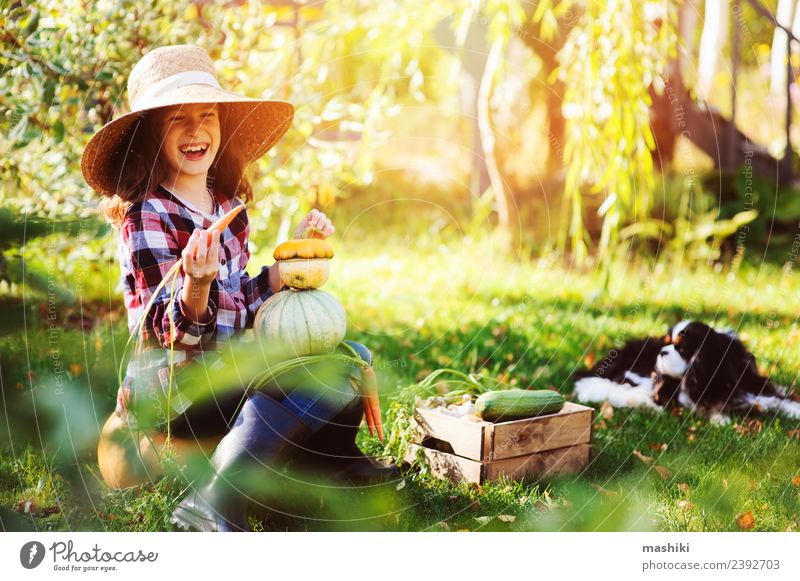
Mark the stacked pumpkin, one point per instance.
(307, 320)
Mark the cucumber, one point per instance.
(516, 404)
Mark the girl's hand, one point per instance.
(201, 256)
(317, 219)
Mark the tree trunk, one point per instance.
(688, 20)
(712, 43)
(777, 58)
(508, 225)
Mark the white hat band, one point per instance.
(149, 98)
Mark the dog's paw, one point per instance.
(718, 419)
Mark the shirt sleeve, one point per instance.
(256, 289)
(154, 250)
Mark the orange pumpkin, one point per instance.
(128, 460)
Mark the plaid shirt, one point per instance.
(154, 233)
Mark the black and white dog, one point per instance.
(692, 366)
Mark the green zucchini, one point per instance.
(516, 404)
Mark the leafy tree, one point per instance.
(613, 56)
(63, 73)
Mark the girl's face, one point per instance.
(189, 127)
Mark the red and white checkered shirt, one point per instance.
(155, 231)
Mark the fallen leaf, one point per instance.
(748, 427)
(506, 517)
(401, 484)
(794, 433)
(606, 410)
(746, 521)
(474, 505)
(49, 510)
(26, 506)
(483, 519)
(642, 457)
(604, 491)
(685, 505)
(683, 487)
(663, 472)
(658, 447)
(796, 481)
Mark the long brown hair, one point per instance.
(143, 169)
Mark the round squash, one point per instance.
(308, 322)
(126, 459)
(301, 273)
(303, 248)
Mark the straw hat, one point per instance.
(181, 74)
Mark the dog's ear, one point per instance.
(714, 372)
(665, 389)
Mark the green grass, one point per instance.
(457, 305)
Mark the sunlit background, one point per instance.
(516, 188)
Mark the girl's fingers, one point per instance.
(190, 249)
(319, 220)
(324, 224)
(202, 247)
(213, 252)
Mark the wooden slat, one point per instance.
(568, 460)
(466, 437)
(572, 425)
(449, 466)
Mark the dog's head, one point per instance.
(682, 343)
(700, 363)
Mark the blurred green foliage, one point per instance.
(422, 289)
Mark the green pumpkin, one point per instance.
(308, 322)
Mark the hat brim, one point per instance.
(255, 125)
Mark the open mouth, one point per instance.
(194, 152)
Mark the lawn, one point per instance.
(527, 322)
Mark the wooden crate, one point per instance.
(460, 449)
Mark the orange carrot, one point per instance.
(368, 413)
(222, 223)
(226, 220)
(372, 405)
